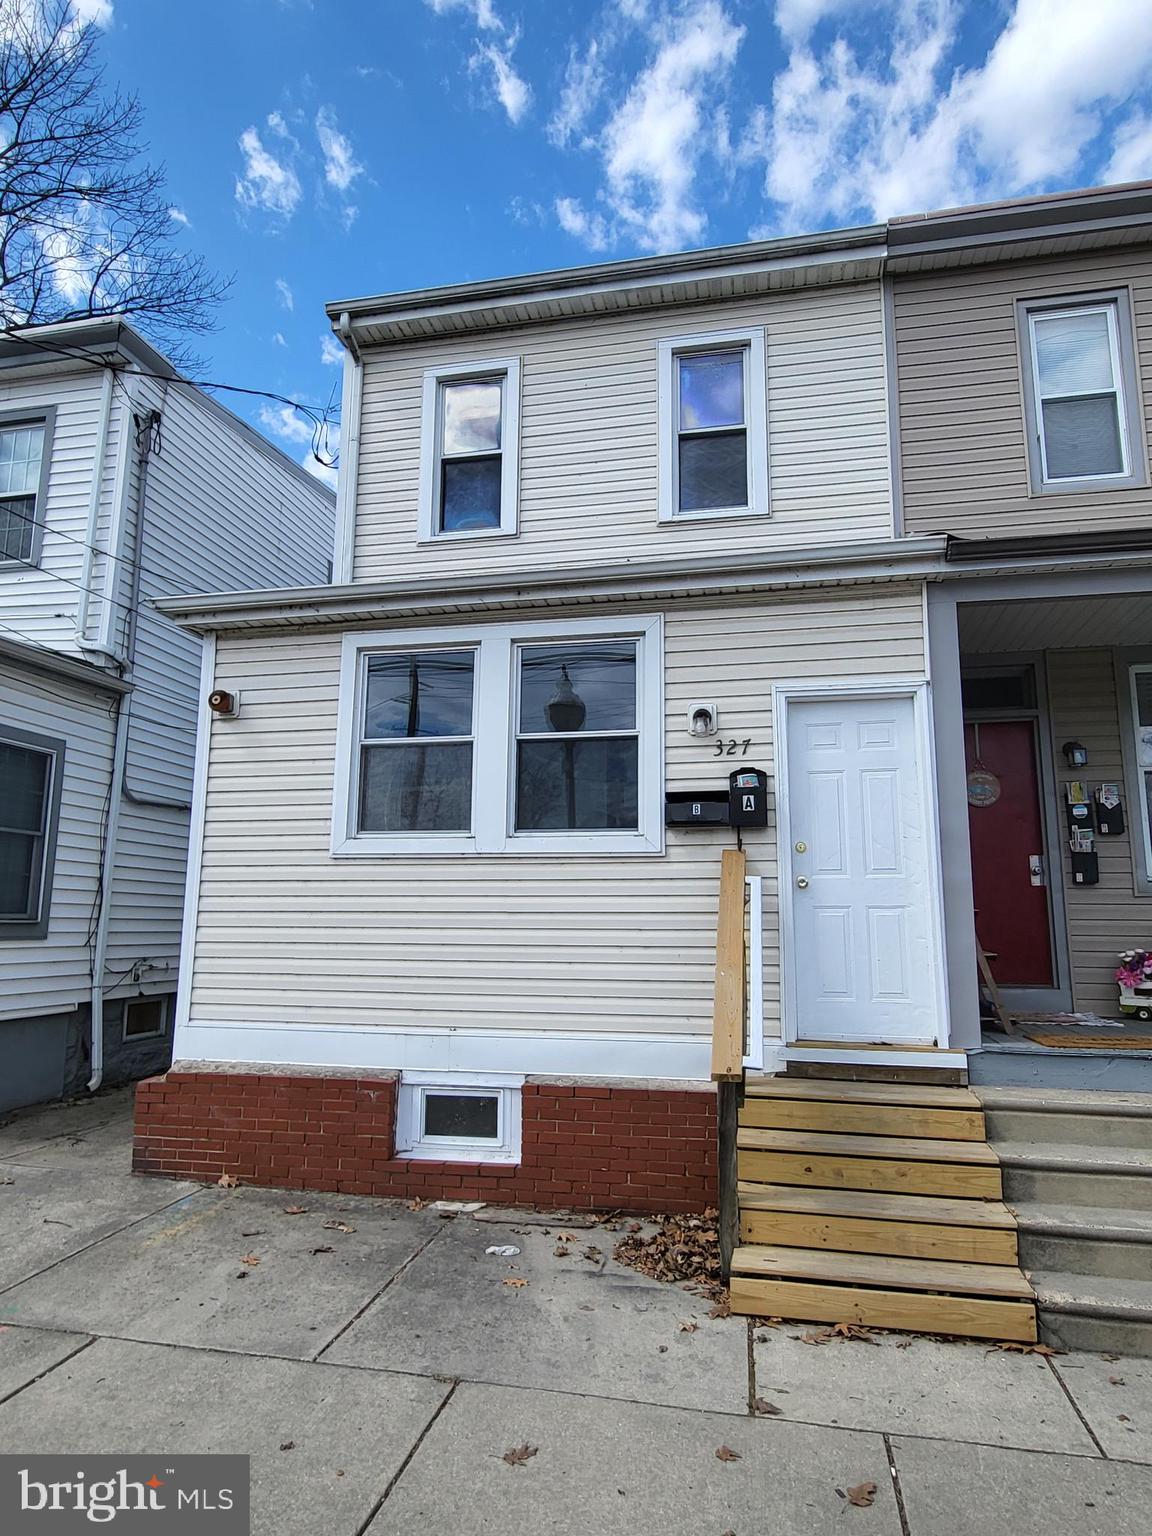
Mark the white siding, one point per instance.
(288, 934)
(588, 435)
(51, 975)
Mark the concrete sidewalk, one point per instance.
(376, 1365)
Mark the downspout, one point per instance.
(118, 533)
(107, 871)
(102, 430)
(344, 550)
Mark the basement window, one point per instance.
(145, 1018)
(458, 1119)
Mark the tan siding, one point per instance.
(287, 934)
(1109, 917)
(963, 441)
(589, 429)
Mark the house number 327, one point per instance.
(728, 748)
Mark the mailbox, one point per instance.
(748, 797)
(696, 808)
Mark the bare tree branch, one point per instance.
(85, 226)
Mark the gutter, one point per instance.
(1109, 541)
(343, 547)
(107, 872)
(92, 527)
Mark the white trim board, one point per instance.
(917, 689)
(374, 1048)
(195, 846)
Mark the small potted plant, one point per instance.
(1134, 974)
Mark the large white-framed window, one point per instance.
(24, 456)
(1081, 394)
(31, 775)
(541, 737)
(459, 1117)
(713, 435)
(470, 450)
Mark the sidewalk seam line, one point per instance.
(71, 1355)
(391, 1280)
(406, 1463)
(1075, 1406)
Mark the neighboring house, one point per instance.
(119, 483)
(606, 536)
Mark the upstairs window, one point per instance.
(469, 482)
(713, 426)
(1081, 395)
(21, 465)
(29, 811)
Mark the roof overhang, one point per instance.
(38, 658)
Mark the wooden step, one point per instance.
(901, 1148)
(834, 1222)
(891, 1173)
(966, 1316)
(839, 1117)
(836, 1202)
(887, 1273)
(922, 1095)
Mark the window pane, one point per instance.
(570, 784)
(469, 495)
(23, 786)
(461, 1114)
(713, 472)
(20, 451)
(416, 788)
(711, 390)
(143, 1016)
(578, 687)
(471, 420)
(419, 693)
(1082, 437)
(17, 522)
(18, 855)
(1073, 355)
(1144, 696)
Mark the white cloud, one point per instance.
(653, 144)
(322, 472)
(285, 295)
(590, 228)
(179, 216)
(850, 134)
(268, 184)
(579, 95)
(341, 167)
(483, 12)
(285, 423)
(331, 352)
(98, 12)
(513, 93)
(278, 338)
(1131, 150)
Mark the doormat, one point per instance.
(1096, 1041)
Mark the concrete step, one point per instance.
(1067, 1116)
(1085, 1240)
(1071, 1173)
(1094, 1313)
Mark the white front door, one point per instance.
(862, 959)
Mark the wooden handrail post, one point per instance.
(729, 1004)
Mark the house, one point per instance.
(677, 581)
(119, 483)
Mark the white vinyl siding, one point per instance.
(289, 935)
(589, 438)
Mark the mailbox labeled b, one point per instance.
(748, 797)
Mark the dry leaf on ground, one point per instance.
(683, 1248)
(762, 1405)
(1115, 1381)
(519, 1454)
(559, 1252)
(726, 1453)
(339, 1226)
(567, 1237)
(417, 1204)
(322, 1249)
(862, 1495)
(227, 1181)
(515, 1281)
(287, 1445)
(686, 1327)
(295, 1210)
(1012, 1348)
(721, 1309)
(593, 1254)
(250, 1258)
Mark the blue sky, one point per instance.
(320, 149)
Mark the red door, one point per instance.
(1006, 829)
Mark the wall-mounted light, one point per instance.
(224, 705)
(1075, 754)
(703, 720)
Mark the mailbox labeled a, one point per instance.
(748, 797)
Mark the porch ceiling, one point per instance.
(1065, 623)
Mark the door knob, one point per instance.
(802, 883)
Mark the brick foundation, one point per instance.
(585, 1147)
